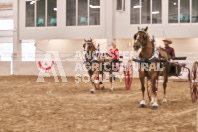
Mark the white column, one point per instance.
(109, 21)
(61, 13)
(165, 12)
(16, 41)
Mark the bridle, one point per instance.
(144, 38)
(96, 51)
(87, 44)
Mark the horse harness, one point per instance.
(155, 56)
(95, 55)
(94, 59)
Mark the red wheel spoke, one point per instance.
(193, 87)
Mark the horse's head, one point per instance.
(88, 45)
(140, 38)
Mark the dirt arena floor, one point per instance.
(28, 106)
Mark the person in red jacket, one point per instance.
(170, 50)
(114, 52)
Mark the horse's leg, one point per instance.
(111, 80)
(154, 78)
(142, 77)
(92, 90)
(165, 84)
(92, 78)
(101, 79)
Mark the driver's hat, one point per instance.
(167, 40)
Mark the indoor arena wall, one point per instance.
(61, 31)
(123, 28)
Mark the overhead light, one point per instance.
(92, 6)
(55, 9)
(174, 3)
(137, 6)
(155, 12)
(32, 2)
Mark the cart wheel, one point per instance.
(193, 87)
(149, 88)
(194, 92)
(128, 75)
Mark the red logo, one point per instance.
(45, 66)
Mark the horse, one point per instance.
(96, 64)
(148, 50)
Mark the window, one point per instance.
(82, 12)
(173, 11)
(135, 12)
(28, 52)
(71, 13)
(30, 13)
(40, 13)
(45, 14)
(94, 16)
(51, 14)
(179, 13)
(146, 11)
(145, 15)
(119, 4)
(194, 11)
(157, 11)
(184, 11)
(6, 50)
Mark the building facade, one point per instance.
(62, 25)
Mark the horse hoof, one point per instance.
(164, 103)
(102, 88)
(92, 92)
(154, 107)
(142, 106)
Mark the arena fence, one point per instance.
(68, 60)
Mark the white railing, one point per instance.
(6, 17)
(7, 24)
(69, 61)
(4, 33)
(6, 2)
(70, 56)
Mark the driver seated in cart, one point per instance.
(171, 51)
(114, 52)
